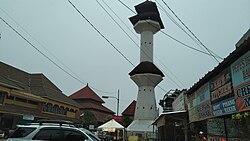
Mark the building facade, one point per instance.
(26, 97)
(89, 101)
(219, 103)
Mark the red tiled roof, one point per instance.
(100, 116)
(89, 105)
(130, 110)
(86, 93)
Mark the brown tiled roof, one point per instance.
(86, 93)
(36, 84)
(93, 106)
(146, 67)
(8, 83)
(130, 110)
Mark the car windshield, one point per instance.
(21, 132)
(90, 134)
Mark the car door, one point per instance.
(49, 134)
(74, 135)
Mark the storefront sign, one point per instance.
(28, 117)
(179, 103)
(215, 127)
(224, 107)
(221, 86)
(204, 110)
(242, 94)
(241, 82)
(202, 94)
(217, 138)
(199, 104)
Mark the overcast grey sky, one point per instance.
(57, 26)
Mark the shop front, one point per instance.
(219, 104)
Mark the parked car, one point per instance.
(91, 135)
(49, 130)
(1, 134)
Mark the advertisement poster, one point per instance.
(199, 104)
(227, 106)
(241, 82)
(222, 96)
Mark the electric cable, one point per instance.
(47, 57)
(178, 40)
(208, 50)
(106, 38)
(135, 42)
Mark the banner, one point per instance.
(241, 82)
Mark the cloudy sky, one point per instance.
(57, 30)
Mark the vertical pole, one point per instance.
(225, 126)
(118, 104)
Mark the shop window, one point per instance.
(10, 97)
(2, 95)
(21, 99)
(67, 109)
(33, 102)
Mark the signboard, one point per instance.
(222, 97)
(179, 103)
(215, 127)
(199, 104)
(241, 82)
(227, 106)
(28, 117)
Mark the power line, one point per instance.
(41, 51)
(209, 51)
(106, 38)
(126, 6)
(39, 43)
(177, 39)
(101, 33)
(120, 19)
(47, 57)
(135, 42)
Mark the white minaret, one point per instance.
(146, 75)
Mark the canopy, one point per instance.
(111, 126)
(141, 126)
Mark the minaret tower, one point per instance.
(146, 75)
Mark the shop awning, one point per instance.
(111, 126)
(173, 116)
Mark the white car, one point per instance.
(90, 134)
(52, 131)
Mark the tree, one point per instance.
(88, 119)
(126, 121)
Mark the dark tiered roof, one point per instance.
(146, 10)
(86, 93)
(146, 67)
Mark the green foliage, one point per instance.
(126, 121)
(88, 119)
